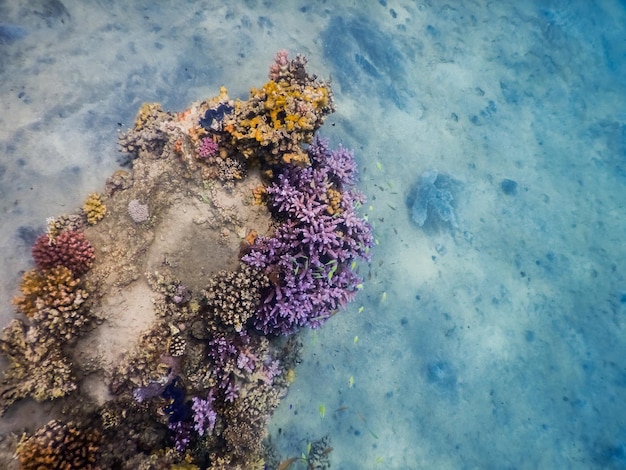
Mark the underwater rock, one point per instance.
(431, 201)
(509, 187)
(204, 259)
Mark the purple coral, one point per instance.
(181, 431)
(229, 354)
(309, 257)
(204, 416)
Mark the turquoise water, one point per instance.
(496, 341)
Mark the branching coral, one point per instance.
(53, 302)
(245, 420)
(94, 208)
(37, 368)
(54, 288)
(60, 446)
(208, 148)
(69, 248)
(309, 258)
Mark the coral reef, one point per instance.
(69, 248)
(53, 302)
(61, 446)
(233, 228)
(146, 136)
(94, 208)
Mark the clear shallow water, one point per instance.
(496, 343)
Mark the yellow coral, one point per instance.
(290, 376)
(297, 158)
(334, 200)
(146, 113)
(280, 115)
(94, 208)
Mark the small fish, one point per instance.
(383, 297)
(351, 382)
(379, 166)
(285, 464)
(356, 339)
(361, 308)
(322, 410)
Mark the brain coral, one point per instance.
(59, 445)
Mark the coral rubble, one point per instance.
(234, 228)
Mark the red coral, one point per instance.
(70, 249)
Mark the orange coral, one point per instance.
(259, 195)
(50, 288)
(333, 200)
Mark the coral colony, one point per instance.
(199, 384)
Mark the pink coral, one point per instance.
(208, 148)
(70, 249)
(280, 63)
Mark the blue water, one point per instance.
(494, 342)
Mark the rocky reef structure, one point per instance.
(162, 316)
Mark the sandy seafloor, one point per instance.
(497, 343)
